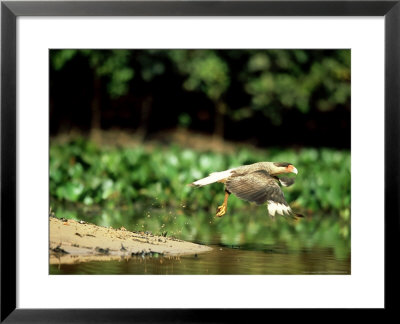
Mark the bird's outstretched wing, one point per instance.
(259, 187)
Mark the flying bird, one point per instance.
(258, 182)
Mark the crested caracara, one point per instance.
(257, 183)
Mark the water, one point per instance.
(243, 242)
(221, 260)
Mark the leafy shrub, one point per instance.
(146, 189)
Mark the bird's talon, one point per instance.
(221, 210)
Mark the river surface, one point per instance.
(221, 260)
(243, 242)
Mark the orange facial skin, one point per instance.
(290, 168)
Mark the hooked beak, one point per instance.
(294, 170)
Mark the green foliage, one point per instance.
(298, 79)
(266, 81)
(206, 71)
(60, 57)
(146, 189)
(113, 65)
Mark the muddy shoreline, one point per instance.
(73, 242)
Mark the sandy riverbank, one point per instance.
(72, 241)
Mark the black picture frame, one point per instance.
(10, 10)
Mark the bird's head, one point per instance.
(283, 167)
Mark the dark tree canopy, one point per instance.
(244, 95)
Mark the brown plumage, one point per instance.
(257, 183)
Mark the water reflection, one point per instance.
(221, 260)
(244, 242)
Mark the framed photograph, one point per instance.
(184, 156)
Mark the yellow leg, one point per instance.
(221, 210)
